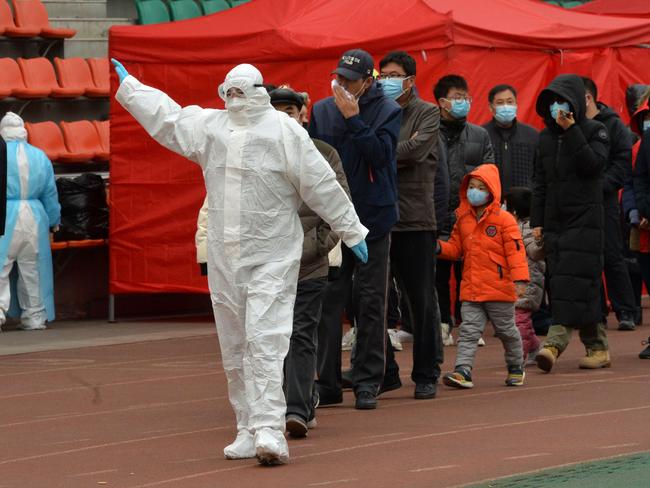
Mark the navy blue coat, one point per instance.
(366, 144)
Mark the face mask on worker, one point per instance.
(556, 107)
(505, 113)
(459, 108)
(646, 125)
(477, 197)
(393, 87)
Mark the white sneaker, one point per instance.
(350, 337)
(242, 448)
(404, 336)
(394, 340)
(32, 326)
(271, 447)
(447, 338)
(481, 342)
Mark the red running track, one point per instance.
(155, 414)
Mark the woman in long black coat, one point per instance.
(567, 212)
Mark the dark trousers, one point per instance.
(413, 262)
(617, 277)
(300, 363)
(443, 275)
(644, 265)
(370, 290)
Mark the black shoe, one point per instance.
(390, 384)
(626, 322)
(365, 401)
(346, 379)
(296, 426)
(424, 391)
(645, 354)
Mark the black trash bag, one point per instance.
(84, 210)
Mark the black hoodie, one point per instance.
(568, 204)
(619, 164)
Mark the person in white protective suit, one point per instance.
(33, 211)
(258, 165)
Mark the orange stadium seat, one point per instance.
(100, 69)
(48, 137)
(82, 137)
(12, 83)
(103, 128)
(8, 27)
(32, 14)
(74, 74)
(38, 74)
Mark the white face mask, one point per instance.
(236, 104)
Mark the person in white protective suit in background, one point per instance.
(257, 164)
(33, 211)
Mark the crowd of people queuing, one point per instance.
(527, 222)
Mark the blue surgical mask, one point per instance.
(646, 125)
(459, 108)
(393, 87)
(505, 113)
(556, 107)
(477, 197)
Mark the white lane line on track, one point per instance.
(67, 442)
(132, 408)
(216, 355)
(91, 473)
(320, 453)
(106, 385)
(616, 446)
(376, 436)
(434, 468)
(527, 456)
(334, 482)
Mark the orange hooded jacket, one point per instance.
(491, 248)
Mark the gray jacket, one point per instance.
(417, 155)
(536, 268)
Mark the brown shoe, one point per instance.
(595, 360)
(546, 357)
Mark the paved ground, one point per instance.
(155, 413)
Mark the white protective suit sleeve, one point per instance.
(316, 183)
(179, 129)
(201, 237)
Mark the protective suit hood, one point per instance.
(255, 103)
(12, 128)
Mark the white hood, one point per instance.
(256, 101)
(12, 127)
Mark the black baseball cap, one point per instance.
(286, 96)
(355, 64)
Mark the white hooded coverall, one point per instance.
(258, 164)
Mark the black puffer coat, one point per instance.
(568, 204)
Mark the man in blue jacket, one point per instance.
(363, 126)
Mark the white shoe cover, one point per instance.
(242, 448)
(28, 326)
(447, 338)
(271, 447)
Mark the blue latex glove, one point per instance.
(119, 69)
(635, 218)
(361, 251)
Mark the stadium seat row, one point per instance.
(157, 11)
(31, 20)
(71, 142)
(36, 78)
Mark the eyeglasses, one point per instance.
(388, 76)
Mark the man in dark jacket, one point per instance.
(300, 363)
(363, 126)
(465, 147)
(413, 237)
(514, 142)
(619, 167)
(567, 212)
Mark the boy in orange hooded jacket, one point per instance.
(495, 273)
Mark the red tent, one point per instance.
(155, 195)
(627, 8)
